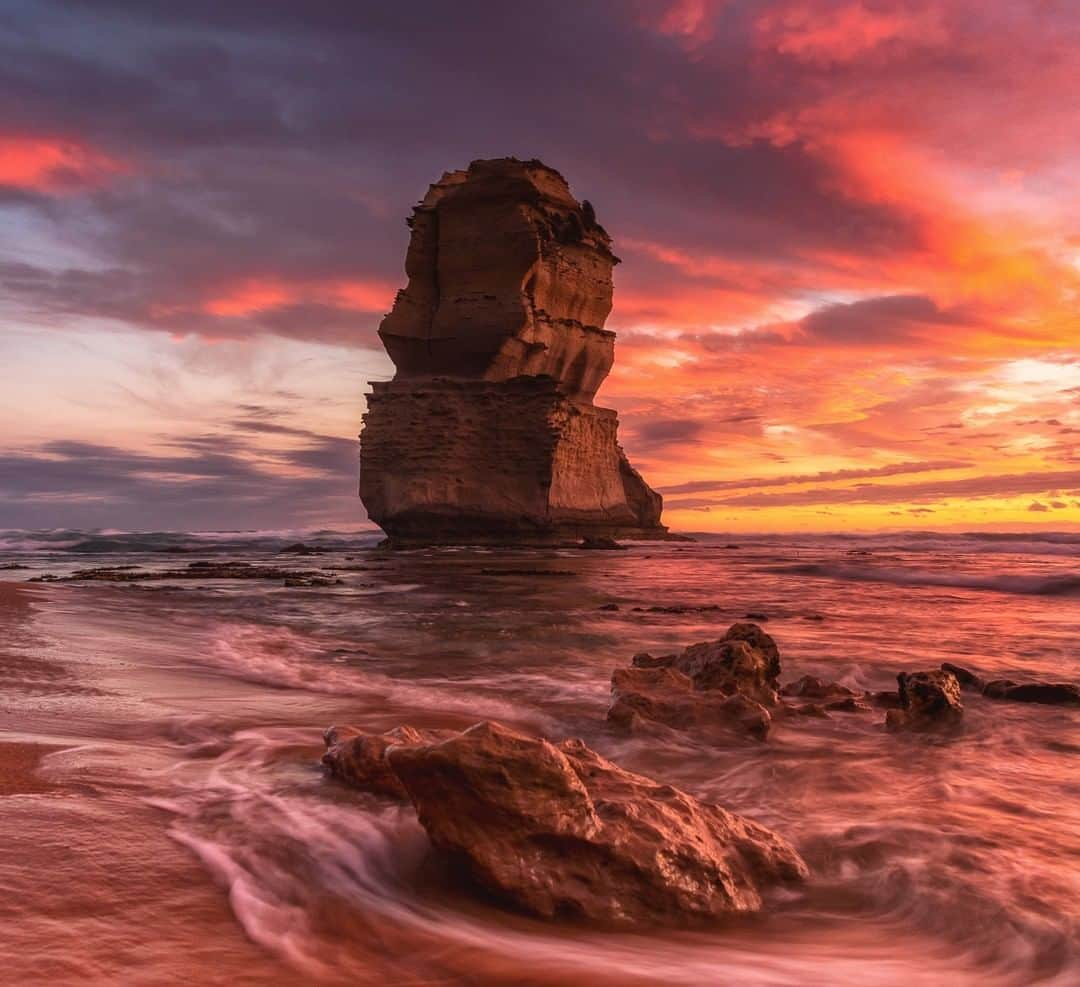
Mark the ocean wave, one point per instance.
(283, 659)
(112, 541)
(1059, 584)
(340, 886)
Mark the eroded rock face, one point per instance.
(811, 687)
(559, 832)
(825, 696)
(753, 635)
(928, 701)
(644, 697)
(488, 431)
(726, 685)
(509, 276)
(745, 660)
(359, 758)
(730, 666)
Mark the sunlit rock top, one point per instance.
(509, 276)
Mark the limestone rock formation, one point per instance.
(713, 688)
(745, 660)
(359, 758)
(928, 701)
(488, 431)
(643, 698)
(560, 832)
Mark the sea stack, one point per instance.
(488, 431)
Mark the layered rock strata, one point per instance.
(488, 431)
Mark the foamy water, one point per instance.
(186, 730)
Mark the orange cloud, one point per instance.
(45, 164)
(266, 294)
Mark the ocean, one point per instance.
(167, 820)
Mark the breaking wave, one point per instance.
(111, 541)
(283, 659)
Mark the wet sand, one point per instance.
(95, 891)
(19, 764)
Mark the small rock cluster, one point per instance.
(731, 686)
(557, 831)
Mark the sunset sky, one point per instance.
(850, 232)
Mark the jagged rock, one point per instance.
(849, 704)
(488, 431)
(359, 758)
(1048, 693)
(928, 701)
(825, 697)
(757, 638)
(561, 832)
(729, 666)
(744, 660)
(966, 678)
(641, 697)
(811, 687)
(716, 685)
